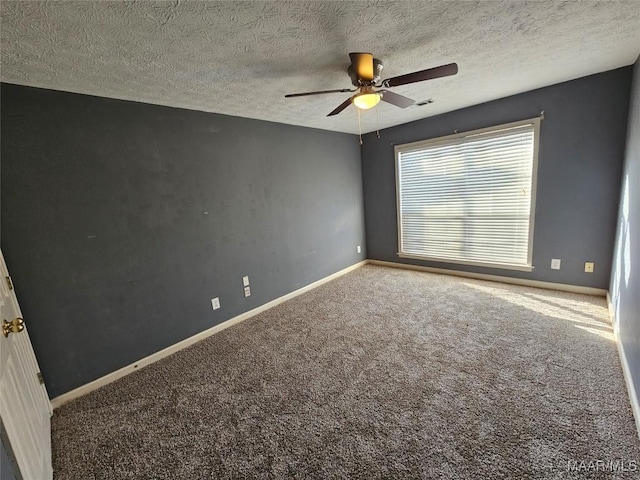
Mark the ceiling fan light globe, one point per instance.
(365, 101)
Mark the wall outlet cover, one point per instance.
(588, 267)
(359, 249)
(555, 264)
(247, 291)
(215, 303)
(245, 281)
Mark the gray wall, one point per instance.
(122, 220)
(625, 277)
(6, 468)
(580, 163)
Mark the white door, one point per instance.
(25, 408)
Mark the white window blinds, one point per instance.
(469, 198)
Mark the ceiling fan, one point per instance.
(364, 72)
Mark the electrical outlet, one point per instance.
(359, 249)
(588, 267)
(245, 281)
(215, 303)
(555, 264)
(247, 291)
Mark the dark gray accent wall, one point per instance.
(582, 140)
(625, 277)
(122, 220)
(6, 468)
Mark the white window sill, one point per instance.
(502, 266)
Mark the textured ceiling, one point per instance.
(241, 58)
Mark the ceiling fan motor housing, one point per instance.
(358, 82)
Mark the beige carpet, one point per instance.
(382, 373)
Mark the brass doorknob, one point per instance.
(14, 326)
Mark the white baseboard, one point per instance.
(143, 362)
(628, 379)
(497, 278)
(633, 397)
(612, 317)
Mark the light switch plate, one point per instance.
(215, 303)
(245, 281)
(555, 264)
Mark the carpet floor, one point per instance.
(381, 373)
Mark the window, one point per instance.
(469, 198)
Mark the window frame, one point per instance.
(398, 149)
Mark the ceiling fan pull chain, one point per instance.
(359, 127)
(377, 123)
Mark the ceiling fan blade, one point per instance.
(428, 74)
(319, 92)
(362, 65)
(342, 106)
(395, 99)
